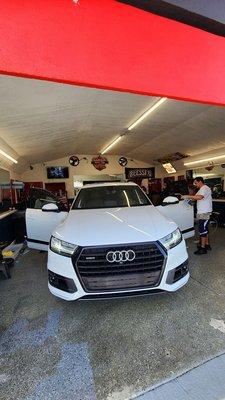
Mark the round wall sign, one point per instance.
(122, 161)
(99, 162)
(74, 161)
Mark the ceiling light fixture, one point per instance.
(205, 160)
(7, 156)
(169, 168)
(111, 144)
(146, 113)
(203, 175)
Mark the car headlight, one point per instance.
(61, 247)
(172, 240)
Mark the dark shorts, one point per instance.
(203, 226)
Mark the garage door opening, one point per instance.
(58, 139)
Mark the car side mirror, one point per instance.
(170, 200)
(50, 207)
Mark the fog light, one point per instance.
(61, 282)
(177, 273)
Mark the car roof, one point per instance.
(103, 184)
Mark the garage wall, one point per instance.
(39, 174)
(15, 176)
(6, 173)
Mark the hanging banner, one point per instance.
(132, 173)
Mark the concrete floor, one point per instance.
(205, 382)
(114, 349)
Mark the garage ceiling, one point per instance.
(42, 121)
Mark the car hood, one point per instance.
(114, 226)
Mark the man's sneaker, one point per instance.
(207, 247)
(201, 250)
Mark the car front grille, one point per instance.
(97, 274)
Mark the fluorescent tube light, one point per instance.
(7, 156)
(205, 160)
(203, 175)
(146, 113)
(111, 145)
(169, 168)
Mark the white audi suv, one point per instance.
(113, 242)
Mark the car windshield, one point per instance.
(110, 197)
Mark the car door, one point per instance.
(182, 213)
(40, 224)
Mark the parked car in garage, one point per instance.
(112, 242)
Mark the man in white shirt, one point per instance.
(204, 210)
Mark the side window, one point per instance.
(39, 197)
(39, 203)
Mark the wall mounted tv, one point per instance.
(57, 172)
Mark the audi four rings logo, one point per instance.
(120, 256)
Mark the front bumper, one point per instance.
(62, 268)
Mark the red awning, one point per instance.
(107, 44)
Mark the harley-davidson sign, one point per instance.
(99, 162)
(132, 173)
